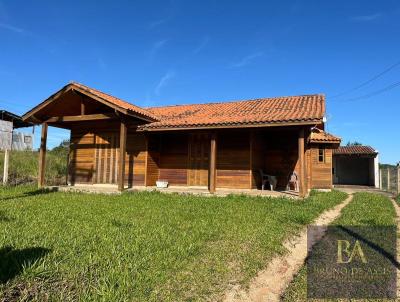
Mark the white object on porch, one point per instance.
(293, 179)
(162, 184)
(270, 179)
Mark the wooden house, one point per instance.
(214, 145)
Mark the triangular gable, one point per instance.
(36, 114)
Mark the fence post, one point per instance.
(5, 168)
(398, 179)
(380, 179)
(388, 179)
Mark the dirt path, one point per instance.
(397, 210)
(270, 283)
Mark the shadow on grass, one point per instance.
(30, 194)
(380, 250)
(5, 218)
(14, 261)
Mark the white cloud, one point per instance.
(157, 46)
(366, 18)
(12, 28)
(247, 59)
(164, 81)
(202, 44)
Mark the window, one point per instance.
(321, 155)
(27, 139)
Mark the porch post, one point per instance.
(302, 187)
(122, 152)
(213, 161)
(42, 155)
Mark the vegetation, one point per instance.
(23, 167)
(355, 143)
(366, 209)
(144, 246)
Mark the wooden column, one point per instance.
(122, 152)
(42, 155)
(302, 187)
(388, 179)
(213, 162)
(380, 179)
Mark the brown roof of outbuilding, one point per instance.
(320, 136)
(353, 150)
(292, 109)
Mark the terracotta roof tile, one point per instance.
(349, 150)
(320, 136)
(306, 108)
(116, 101)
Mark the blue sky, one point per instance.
(172, 52)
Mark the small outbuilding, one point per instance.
(355, 165)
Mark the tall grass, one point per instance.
(23, 167)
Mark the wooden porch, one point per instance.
(199, 191)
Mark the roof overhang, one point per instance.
(30, 115)
(225, 126)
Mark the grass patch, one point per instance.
(143, 246)
(24, 165)
(366, 209)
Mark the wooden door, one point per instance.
(199, 151)
(106, 158)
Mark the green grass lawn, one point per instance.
(141, 246)
(366, 209)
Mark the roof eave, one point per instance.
(231, 126)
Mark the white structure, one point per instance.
(356, 165)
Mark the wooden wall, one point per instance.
(135, 159)
(321, 172)
(233, 160)
(173, 161)
(81, 165)
(240, 154)
(94, 157)
(153, 158)
(258, 145)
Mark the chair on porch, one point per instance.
(270, 179)
(294, 181)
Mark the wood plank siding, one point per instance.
(183, 158)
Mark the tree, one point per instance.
(355, 143)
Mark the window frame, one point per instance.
(321, 155)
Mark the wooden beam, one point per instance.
(42, 155)
(302, 186)
(83, 106)
(76, 118)
(213, 163)
(122, 152)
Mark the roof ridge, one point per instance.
(238, 101)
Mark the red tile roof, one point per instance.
(320, 136)
(354, 150)
(293, 109)
(116, 101)
(308, 109)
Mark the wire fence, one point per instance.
(390, 179)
